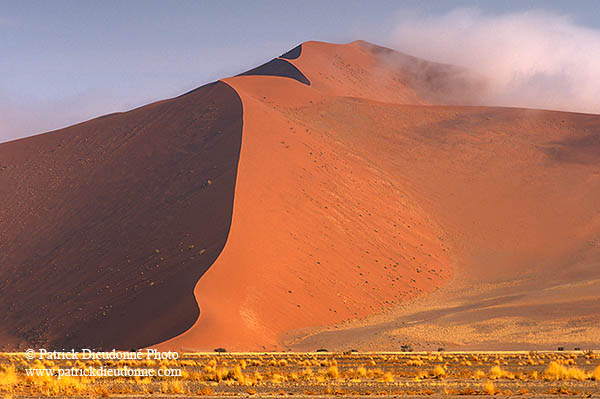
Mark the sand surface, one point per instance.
(357, 197)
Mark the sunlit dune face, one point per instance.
(355, 195)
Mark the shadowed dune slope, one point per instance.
(280, 68)
(357, 196)
(107, 225)
(293, 53)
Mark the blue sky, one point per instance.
(67, 61)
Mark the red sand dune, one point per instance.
(368, 212)
(353, 196)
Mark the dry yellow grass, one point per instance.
(557, 371)
(489, 388)
(419, 374)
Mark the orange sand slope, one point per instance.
(356, 196)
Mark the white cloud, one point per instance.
(531, 59)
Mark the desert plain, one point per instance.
(318, 374)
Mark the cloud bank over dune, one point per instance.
(531, 59)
